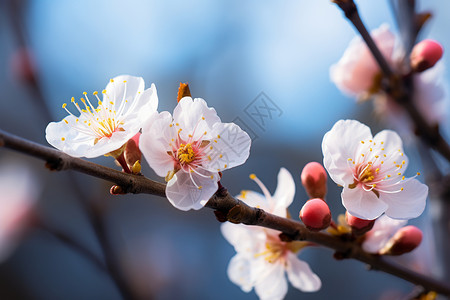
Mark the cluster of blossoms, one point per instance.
(191, 147)
(357, 74)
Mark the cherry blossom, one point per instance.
(100, 130)
(19, 194)
(383, 230)
(262, 259)
(357, 73)
(371, 172)
(190, 148)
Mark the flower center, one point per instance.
(367, 174)
(273, 252)
(185, 153)
(101, 121)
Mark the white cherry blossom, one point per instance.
(190, 148)
(262, 259)
(101, 129)
(371, 172)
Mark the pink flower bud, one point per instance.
(359, 226)
(132, 152)
(314, 179)
(405, 240)
(425, 55)
(316, 214)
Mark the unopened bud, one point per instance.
(425, 55)
(359, 226)
(405, 240)
(315, 214)
(314, 179)
(132, 152)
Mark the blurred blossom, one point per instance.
(262, 259)
(19, 193)
(190, 149)
(357, 72)
(102, 130)
(371, 171)
(358, 75)
(383, 230)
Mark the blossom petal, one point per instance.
(393, 147)
(363, 204)
(254, 199)
(271, 282)
(245, 239)
(301, 276)
(194, 117)
(409, 203)
(185, 195)
(229, 147)
(123, 87)
(284, 194)
(341, 143)
(239, 272)
(355, 72)
(146, 102)
(155, 143)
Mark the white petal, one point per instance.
(230, 147)
(255, 199)
(362, 204)
(393, 147)
(271, 283)
(409, 203)
(341, 143)
(155, 142)
(284, 194)
(301, 276)
(75, 143)
(189, 115)
(245, 239)
(116, 90)
(146, 103)
(185, 195)
(239, 272)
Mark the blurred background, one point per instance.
(233, 54)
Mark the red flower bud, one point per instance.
(316, 214)
(314, 179)
(405, 240)
(425, 55)
(132, 152)
(359, 226)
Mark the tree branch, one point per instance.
(227, 209)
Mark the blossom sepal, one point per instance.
(405, 240)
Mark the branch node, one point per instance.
(220, 216)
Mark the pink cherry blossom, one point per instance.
(262, 259)
(356, 72)
(371, 171)
(190, 148)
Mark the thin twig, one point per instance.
(225, 205)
